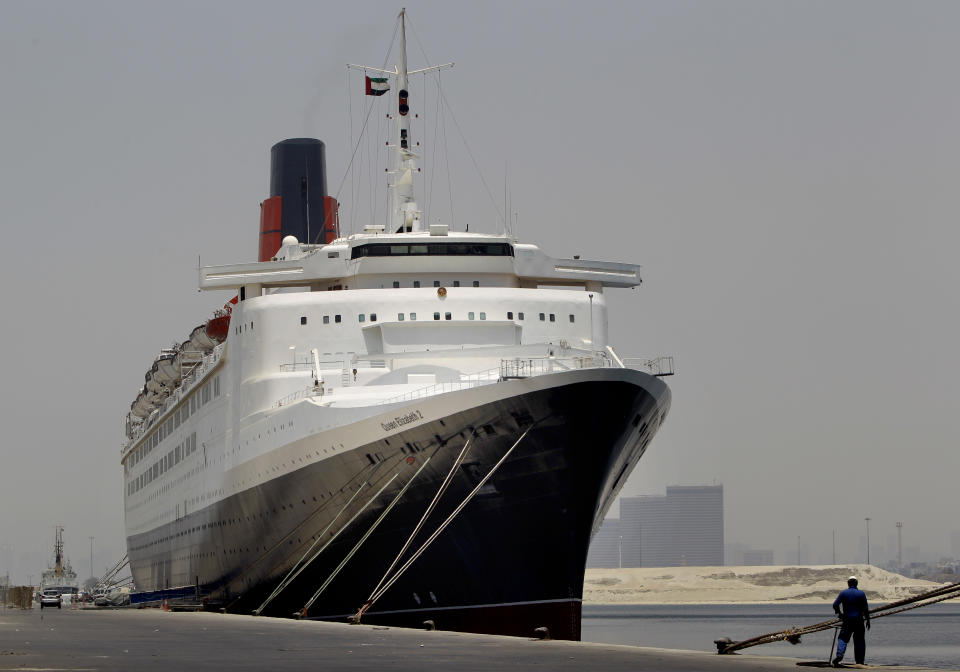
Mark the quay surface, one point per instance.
(153, 640)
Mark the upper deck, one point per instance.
(362, 260)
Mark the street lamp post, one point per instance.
(899, 548)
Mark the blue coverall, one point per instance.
(855, 615)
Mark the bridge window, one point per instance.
(400, 317)
(326, 319)
(436, 316)
(361, 317)
(520, 316)
(447, 316)
(571, 318)
(433, 249)
(413, 316)
(373, 317)
(483, 316)
(396, 284)
(553, 318)
(336, 318)
(303, 320)
(416, 283)
(476, 283)
(542, 317)
(456, 283)
(509, 315)
(470, 316)
(436, 283)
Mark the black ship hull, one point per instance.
(511, 561)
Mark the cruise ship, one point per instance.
(408, 425)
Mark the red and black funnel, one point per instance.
(298, 204)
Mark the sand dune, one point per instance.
(700, 585)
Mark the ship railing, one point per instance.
(526, 367)
(306, 393)
(658, 366)
(465, 383)
(346, 362)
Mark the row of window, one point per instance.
(184, 449)
(433, 249)
(210, 390)
(436, 283)
(447, 316)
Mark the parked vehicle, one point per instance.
(51, 597)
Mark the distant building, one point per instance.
(685, 527)
(605, 546)
(758, 557)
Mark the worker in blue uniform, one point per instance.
(851, 606)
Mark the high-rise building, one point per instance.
(605, 547)
(685, 527)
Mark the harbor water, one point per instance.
(929, 636)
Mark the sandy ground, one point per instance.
(730, 585)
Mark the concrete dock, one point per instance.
(150, 640)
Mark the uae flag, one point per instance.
(377, 86)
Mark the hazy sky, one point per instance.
(785, 171)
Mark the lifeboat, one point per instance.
(151, 384)
(218, 327)
(186, 358)
(200, 340)
(164, 370)
(140, 408)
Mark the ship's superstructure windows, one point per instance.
(553, 318)
(373, 317)
(436, 316)
(520, 316)
(571, 318)
(413, 317)
(542, 317)
(396, 284)
(361, 317)
(436, 283)
(456, 283)
(476, 283)
(303, 320)
(416, 283)
(326, 319)
(337, 319)
(509, 315)
(400, 317)
(483, 316)
(433, 249)
(447, 316)
(470, 315)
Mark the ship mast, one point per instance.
(404, 211)
(58, 552)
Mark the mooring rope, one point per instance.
(378, 594)
(419, 525)
(793, 635)
(367, 534)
